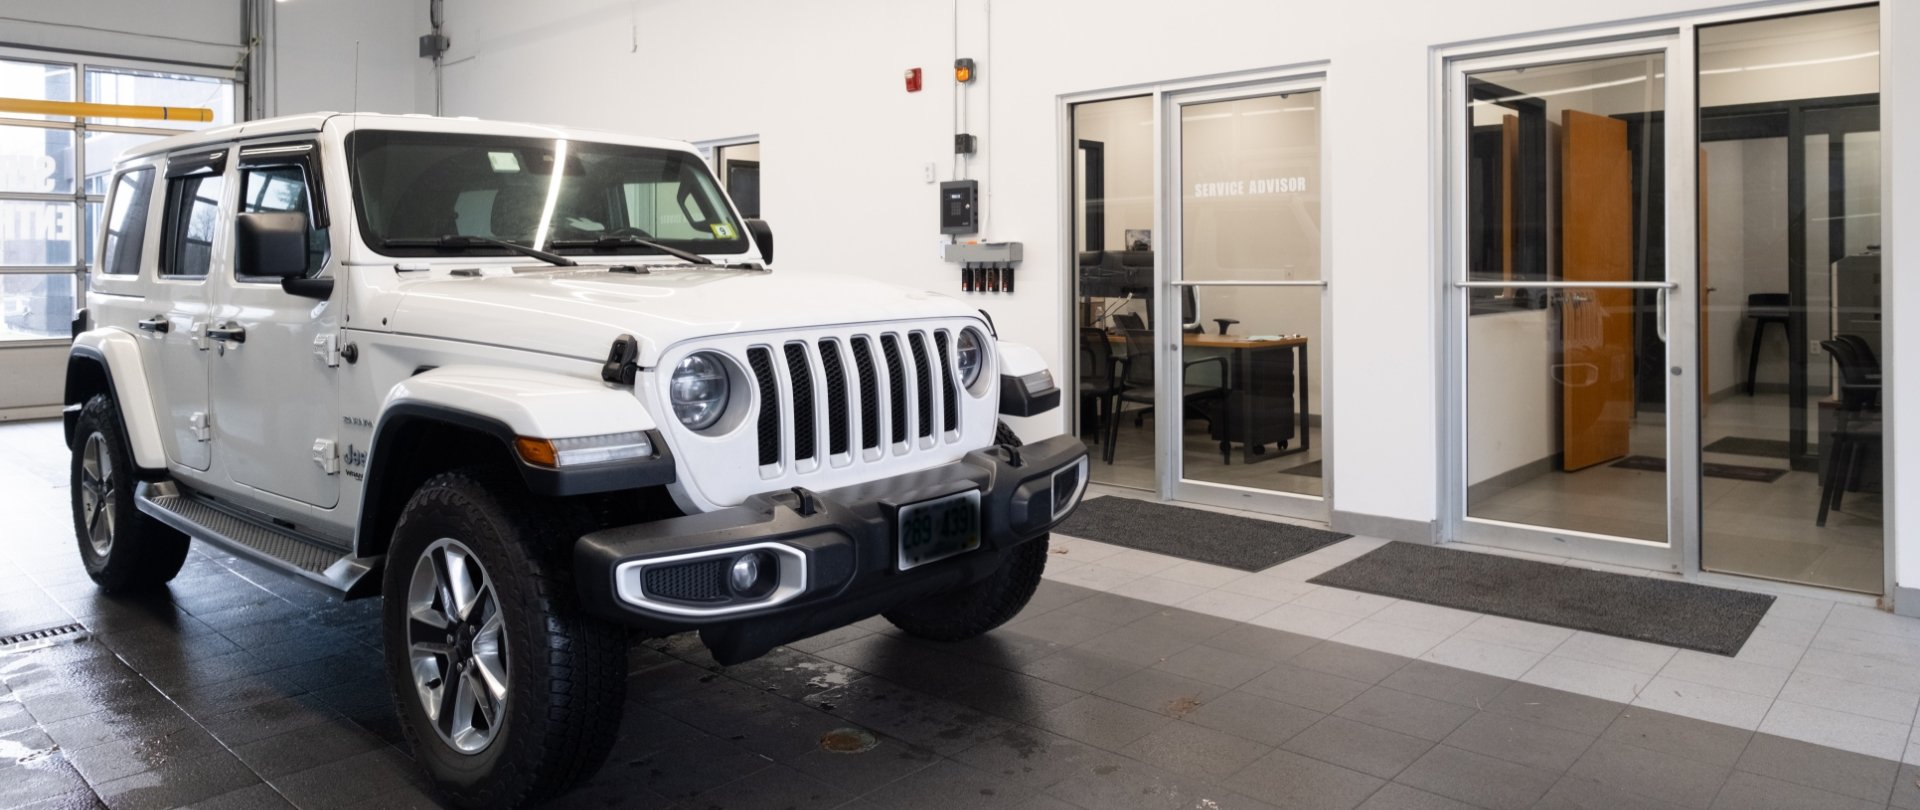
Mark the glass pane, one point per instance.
(126, 232)
(93, 231)
(1250, 189)
(1252, 388)
(739, 170)
(192, 207)
(1566, 389)
(147, 88)
(1792, 432)
(36, 160)
(36, 80)
(284, 189)
(35, 233)
(103, 149)
(36, 306)
(1113, 233)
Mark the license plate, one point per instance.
(938, 529)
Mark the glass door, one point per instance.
(1569, 378)
(1241, 403)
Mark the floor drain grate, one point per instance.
(45, 637)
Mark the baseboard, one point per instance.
(1391, 528)
(1906, 601)
(1511, 478)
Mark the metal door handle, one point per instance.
(228, 333)
(154, 324)
(1660, 314)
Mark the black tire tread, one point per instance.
(586, 658)
(146, 553)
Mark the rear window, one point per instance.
(127, 223)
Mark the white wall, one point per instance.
(206, 32)
(820, 82)
(348, 55)
(1900, 113)
(1513, 400)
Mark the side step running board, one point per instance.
(270, 545)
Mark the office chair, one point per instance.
(1856, 426)
(1136, 385)
(1129, 322)
(1099, 378)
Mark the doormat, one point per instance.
(1310, 469)
(1677, 614)
(1194, 534)
(1743, 446)
(1758, 475)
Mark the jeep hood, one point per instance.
(577, 312)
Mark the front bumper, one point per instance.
(843, 540)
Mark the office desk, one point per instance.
(1242, 349)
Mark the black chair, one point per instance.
(1763, 309)
(1136, 386)
(1099, 378)
(1856, 425)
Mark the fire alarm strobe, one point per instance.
(913, 80)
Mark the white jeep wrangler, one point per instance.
(538, 388)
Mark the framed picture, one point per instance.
(1139, 239)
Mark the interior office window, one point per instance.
(283, 189)
(193, 206)
(738, 165)
(127, 223)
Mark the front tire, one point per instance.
(507, 693)
(975, 609)
(122, 548)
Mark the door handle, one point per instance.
(156, 324)
(228, 333)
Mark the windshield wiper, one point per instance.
(460, 240)
(624, 240)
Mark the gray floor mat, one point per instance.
(1194, 534)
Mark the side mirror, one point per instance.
(762, 236)
(271, 245)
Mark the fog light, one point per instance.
(753, 574)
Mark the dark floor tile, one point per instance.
(1348, 661)
(1288, 779)
(910, 662)
(1016, 696)
(1262, 720)
(271, 718)
(1517, 739)
(1195, 751)
(1031, 759)
(1053, 595)
(347, 664)
(194, 672)
(178, 782)
(1101, 722)
(77, 799)
(775, 787)
(1262, 642)
(1079, 669)
(1563, 710)
(1405, 712)
(1698, 740)
(792, 674)
(238, 693)
(1319, 691)
(345, 782)
(831, 638)
(304, 748)
(1142, 646)
(35, 769)
(144, 720)
(1906, 788)
(1579, 793)
(1216, 666)
(1478, 779)
(253, 797)
(1196, 626)
(1439, 682)
(1367, 749)
(1395, 796)
(121, 758)
(1750, 791)
(1129, 785)
(1003, 649)
(1668, 778)
(1828, 769)
(1161, 692)
(890, 759)
(918, 718)
(1111, 607)
(948, 785)
(762, 723)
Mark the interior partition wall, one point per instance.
(1661, 291)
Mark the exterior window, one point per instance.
(127, 224)
(193, 205)
(283, 189)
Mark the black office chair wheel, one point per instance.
(1280, 446)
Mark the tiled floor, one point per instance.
(1132, 680)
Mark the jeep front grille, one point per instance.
(847, 394)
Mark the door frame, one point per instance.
(1447, 65)
(1170, 287)
(1167, 485)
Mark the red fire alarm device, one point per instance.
(913, 80)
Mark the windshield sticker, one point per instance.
(722, 230)
(504, 162)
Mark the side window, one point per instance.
(283, 189)
(127, 223)
(193, 206)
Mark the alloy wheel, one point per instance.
(97, 493)
(457, 646)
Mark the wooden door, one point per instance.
(1596, 326)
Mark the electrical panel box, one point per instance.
(960, 206)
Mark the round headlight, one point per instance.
(972, 356)
(698, 390)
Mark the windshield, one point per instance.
(417, 192)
